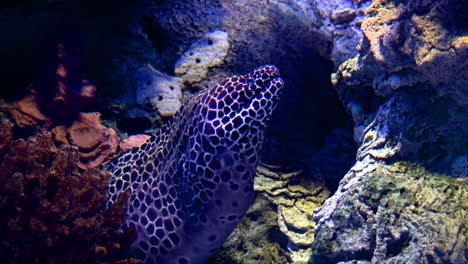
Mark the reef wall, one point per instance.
(405, 86)
(373, 87)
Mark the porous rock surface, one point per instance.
(415, 56)
(259, 31)
(296, 200)
(207, 52)
(398, 213)
(158, 91)
(406, 89)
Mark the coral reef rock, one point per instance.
(96, 143)
(278, 228)
(158, 90)
(133, 141)
(259, 31)
(399, 213)
(408, 79)
(205, 53)
(26, 111)
(296, 198)
(406, 88)
(50, 212)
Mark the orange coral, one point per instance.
(49, 211)
(60, 134)
(96, 142)
(133, 142)
(26, 112)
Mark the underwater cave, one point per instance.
(311, 129)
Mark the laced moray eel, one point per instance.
(192, 182)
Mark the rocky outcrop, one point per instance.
(406, 89)
(158, 91)
(399, 69)
(395, 214)
(205, 53)
(411, 57)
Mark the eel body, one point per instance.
(192, 182)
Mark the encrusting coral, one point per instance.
(50, 212)
(26, 111)
(96, 143)
(63, 115)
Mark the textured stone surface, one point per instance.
(396, 214)
(341, 22)
(409, 81)
(296, 199)
(402, 76)
(259, 31)
(157, 90)
(406, 90)
(207, 52)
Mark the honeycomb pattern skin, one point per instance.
(192, 182)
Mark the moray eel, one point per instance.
(192, 182)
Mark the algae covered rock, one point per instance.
(405, 88)
(398, 214)
(409, 73)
